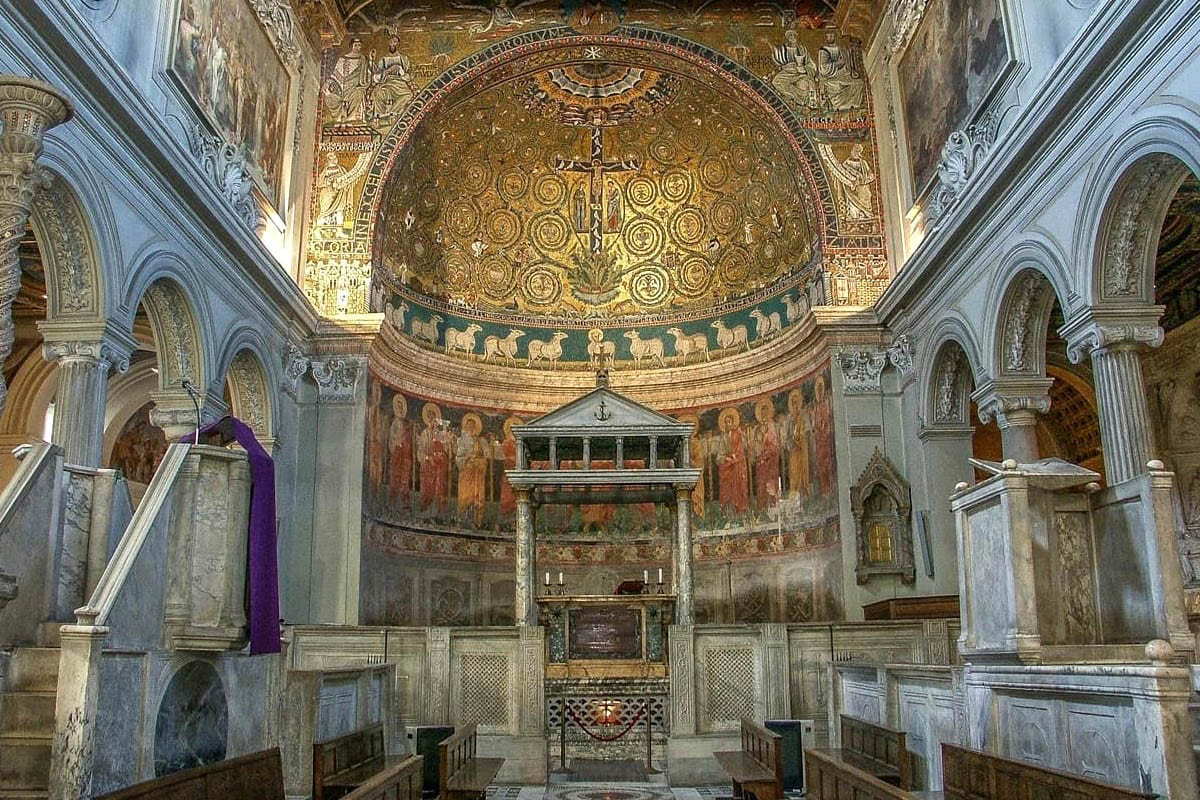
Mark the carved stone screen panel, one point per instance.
(484, 690)
(731, 690)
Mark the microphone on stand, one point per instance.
(190, 388)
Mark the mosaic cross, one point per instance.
(596, 168)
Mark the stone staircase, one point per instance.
(27, 722)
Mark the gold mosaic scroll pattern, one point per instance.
(481, 212)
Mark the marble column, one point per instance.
(1015, 403)
(684, 596)
(85, 357)
(28, 108)
(525, 609)
(1114, 342)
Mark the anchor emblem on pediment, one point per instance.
(602, 413)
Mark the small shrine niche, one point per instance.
(882, 506)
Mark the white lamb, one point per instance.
(642, 349)
(731, 337)
(463, 340)
(688, 343)
(427, 330)
(505, 348)
(546, 349)
(766, 324)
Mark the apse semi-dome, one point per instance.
(588, 190)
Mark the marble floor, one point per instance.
(613, 791)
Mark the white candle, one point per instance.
(560, 582)
(660, 574)
(547, 578)
(645, 576)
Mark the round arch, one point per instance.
(178, 337)
(250, 397)
(952, 369)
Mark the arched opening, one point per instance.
(248, 395)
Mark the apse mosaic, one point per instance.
(600, 161)
(595, 192)
(768, 466)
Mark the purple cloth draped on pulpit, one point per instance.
(262, 570)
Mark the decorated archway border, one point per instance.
(706, 59)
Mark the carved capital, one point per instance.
(962, 155)
(900, 354)
(95, 343)
(861, 370)
(295, 364)
(228, 168)
(337, 377)
(1105, 330)
(1007, 398)
(29, 108)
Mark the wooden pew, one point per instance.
(463, 775)
(974, 775)
(400, 781)
(258, 776)
(756, 768)
(878, 751)
(829, 777)
(342, 764)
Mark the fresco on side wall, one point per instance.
(954, 58)
(139, 447)
(224, 60)
(767, 462)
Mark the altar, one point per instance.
(606, 636)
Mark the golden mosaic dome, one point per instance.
(595, 188)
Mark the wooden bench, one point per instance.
(829, 777)
(258, 776)
(342, 764)
(463, 775)
(400, 781)
(878, 751)
(974, 775)
(757, 767)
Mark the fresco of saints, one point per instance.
(798, 434)
(822, 430)
(347, 84)
(393, 87)
(508, 455)
(376, 443)
(854, 176)
(472, 457)
(766, 455)
(842, 84)
(434, 459)
(732, 469)
(400, 454)
(797, 76)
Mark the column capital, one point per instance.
(1005, 398)
(337, 377)
(1102, 329)
(175, 412)
(29, 108)
(95, 342)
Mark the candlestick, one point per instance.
(660, 575)
(645, 576)
(547, 578)
(560, 580)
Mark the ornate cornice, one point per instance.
(295, 365)
(861, 370)
(962, 156)
(227, 167)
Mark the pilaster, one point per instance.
(525, 608)
(73, 750)
(684, 591)
(28, 108)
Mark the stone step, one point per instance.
(24, 762)
(33, 669)
(27, 713)
(23, 794)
